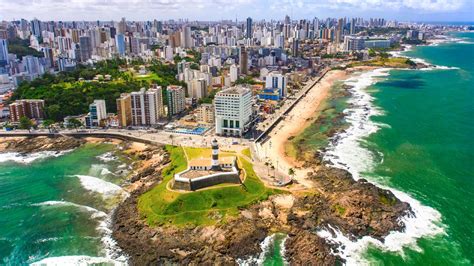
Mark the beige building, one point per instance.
(124, 110)
(205, 113)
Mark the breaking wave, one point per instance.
(346, 152)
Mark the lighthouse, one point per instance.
(215, 155)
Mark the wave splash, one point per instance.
(420, 60)
(77, 260)
(346, 152)
(98, 185)
(29, 158)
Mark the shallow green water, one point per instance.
(428, 149)
(46, 212)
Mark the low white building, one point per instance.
(233, 111)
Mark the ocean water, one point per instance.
(412, 132)
(55, 208)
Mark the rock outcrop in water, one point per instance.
(38, 144)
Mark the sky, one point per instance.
(401, 10)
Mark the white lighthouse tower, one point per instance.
(215, 155)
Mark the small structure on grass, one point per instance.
(206, 172)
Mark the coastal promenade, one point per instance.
(282, 114)
(144, 136)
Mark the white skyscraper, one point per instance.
(97, 113)
(233, 111)
(277, 81)
(234, 73)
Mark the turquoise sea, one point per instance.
(56, 206)
(412, 132)
(428, 148)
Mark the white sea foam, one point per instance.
(265, 246)
(420, 60)
(107, 157)
(52, 203)
(112, 252)
(29, 158)
(76, 261)
(107, 189)
(103, 187)
(106, 171)
(346, 152)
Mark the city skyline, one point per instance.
(402, 10)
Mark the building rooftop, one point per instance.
(208, 161)
(200, 173)
(234, 90)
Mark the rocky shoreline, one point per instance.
(26, 145)
(357, 208)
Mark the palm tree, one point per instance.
(25, 123)
(291, 172)
(268, 170)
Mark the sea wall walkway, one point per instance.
(262, 137)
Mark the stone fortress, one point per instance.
(206, 172)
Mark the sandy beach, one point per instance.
(299, 118)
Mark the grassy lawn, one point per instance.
(247, 153)
(148, 77)
(395, 62)
(159, 206)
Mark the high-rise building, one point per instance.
(243, 60)
(277, 81)
(352, 28)
(233, 111)
(122, 28)
(32, 109)
(48, 55)
(124, 110)
(176, 100)
(295, 47)
(234, 73)
(147, 106)
(186, 39)
(198, 88)
(249, 28)
(120, 44)
(97, 114)
(353, 43)
(36, 27)
(85, 48)
(33, 65)
(3, 56)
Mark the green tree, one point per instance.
(25, 123)
(74, 123)
(291, 172)
(47, 124)
(54, 112)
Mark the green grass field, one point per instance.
(148, 77)
(160, 206)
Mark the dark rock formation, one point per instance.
(37, 144)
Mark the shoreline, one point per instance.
(297, 121)
(338, 204)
